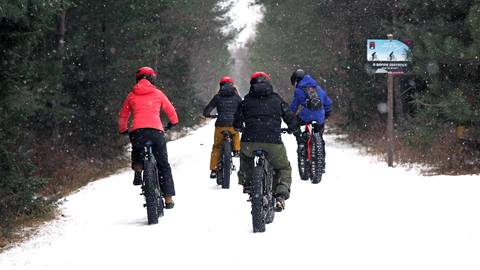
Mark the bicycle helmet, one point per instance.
(297, 76)
(225, 80)
(146, 73)
(259, 77)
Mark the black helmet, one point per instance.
(297, 76)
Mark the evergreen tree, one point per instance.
(328, 40)
(66, 67)
(447, 43)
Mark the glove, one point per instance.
(169, 126)
(295, 131)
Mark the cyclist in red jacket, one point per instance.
(145, 102)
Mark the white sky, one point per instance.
(363, 215)
(245, 14)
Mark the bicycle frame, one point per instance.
(309, 131)
(227, 136)
(148, 152)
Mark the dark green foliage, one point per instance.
(446, 54)
(328, 39)
(66, 66)
(23, 28)
(18, 186)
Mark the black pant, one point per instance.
(138, 138)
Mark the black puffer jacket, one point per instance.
(262, 111)
(226, 101)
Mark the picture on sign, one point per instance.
(388, 55)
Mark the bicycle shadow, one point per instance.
(135, 222)
(215, 187)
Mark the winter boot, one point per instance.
(169, 203)
(247, 189)
(213, 174)
(279, 203)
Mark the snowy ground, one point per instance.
(363, 215)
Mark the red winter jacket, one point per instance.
(145, 102)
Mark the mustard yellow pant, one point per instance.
(217, 144)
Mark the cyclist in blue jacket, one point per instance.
(310, 103)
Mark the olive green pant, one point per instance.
(277, 156)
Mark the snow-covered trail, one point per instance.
(363, 215)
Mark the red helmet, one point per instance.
(260, 73)
(144, 71)
(225, 79)
(259, 77)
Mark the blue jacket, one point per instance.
(300, 99)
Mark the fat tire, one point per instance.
(226, 164)
(302, 159)
(270, 212)
(151, 192)
(303, 164)
(219, 172)
(316, 158)
(258, 213)
(268, 193)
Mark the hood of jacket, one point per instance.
(227, 91)
(143, 87)
(307, 81)
(261, 89)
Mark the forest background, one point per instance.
(66, 65)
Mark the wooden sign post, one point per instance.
(390, 88)
(392, 57)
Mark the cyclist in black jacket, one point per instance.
(226, 101)
(260, 117)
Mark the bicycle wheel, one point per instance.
(219, 172)
(316, 158)
(268, 192)
(258, 214)
(226, 164)
(303, 163)
(302, 159)
(153, 200)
